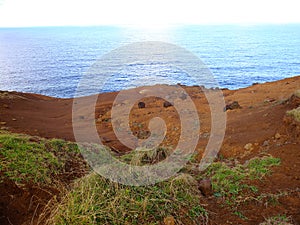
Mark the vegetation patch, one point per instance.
(96, 200)
(277, 220)
(294, 113)
(297, 93)
(231, 182)
(144, 156)
(37, 160)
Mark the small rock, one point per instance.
(205, 187)
(205, 135)
(266, 143)
(2, 123)
(232, 106)
(5, 106)
(248, 147)
(144, 91)
(268, 100)
(4, 128)
(167, 104)
(277, 136)
(34, 139)
(14, 119)
(141, 105)
(106, 139)
(183, 96)
(169, 220)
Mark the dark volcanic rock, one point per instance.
(205, 187)
(141, 105)
(167, 104)
(232, 106)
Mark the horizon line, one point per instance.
(154, 26)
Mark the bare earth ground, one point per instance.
(260, 121)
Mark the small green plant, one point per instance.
(96, 200)
(241, 215)
(197, 211)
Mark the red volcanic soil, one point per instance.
(260, 120)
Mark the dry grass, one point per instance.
(294, 113)
(277, 220)
(148, 156)
(96, 200)
(297, 93)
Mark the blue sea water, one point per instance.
(52, 60)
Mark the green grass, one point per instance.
(231, 182)
(96, 200)
(38, 161)
(257, 168)
(241, 215)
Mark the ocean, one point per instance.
(52, 60)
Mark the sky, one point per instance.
(145, 13)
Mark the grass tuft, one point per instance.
(144, 156)
(297, 93)
(277, 220)
(294, 113)
(96, 200)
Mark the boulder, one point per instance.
(141, 105)
(232, 106)
(205, 187)
(167, 104)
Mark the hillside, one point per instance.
(255, 178)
